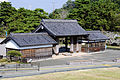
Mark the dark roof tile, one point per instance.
(96, 35)
(31, 39)
(60, 27)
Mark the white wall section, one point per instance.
(2, 48)
(13, 45)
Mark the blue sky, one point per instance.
(47, 5)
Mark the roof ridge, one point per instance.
(58, 20)
(94, 31)
(26, 33)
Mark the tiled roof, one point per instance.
(59, 27)
(96, 35)
(30, 39)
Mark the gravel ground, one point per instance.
(89, 61)
(53, 69)
(107, 55)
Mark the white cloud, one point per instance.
(3, 0)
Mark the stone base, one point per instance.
(56, 53)
(71, 52)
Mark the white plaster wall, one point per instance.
(13, 45)
(2, 48)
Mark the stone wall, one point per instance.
(113, 37)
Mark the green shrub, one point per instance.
(3, 60)
(117, 38)
(14, 53)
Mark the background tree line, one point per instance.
(91, 15)
(19, 20)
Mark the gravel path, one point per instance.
(89, 61)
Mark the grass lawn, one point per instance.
(93, 74)
(113, 47)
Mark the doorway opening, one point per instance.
(64, 44)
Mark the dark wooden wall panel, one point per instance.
(36, 53)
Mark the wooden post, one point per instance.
(80, 44)
(88, 46)
(100, 45)
(71, 46)
(56, 48)
(77, 46)
(66, 43)
(80, 47)
(105, 45)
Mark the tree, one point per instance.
(6, 11)
(25, 20)
(63, 12)
(19, 20)
(117, 22)
(91, 14)
(69, 5)
(14, 53)
(59, 14)
(95, 14)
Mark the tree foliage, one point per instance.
(92, 14)
(117, 22)
(95, 15)
(14, 53)
(59, 14)
(63, 12)
(19, 20)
